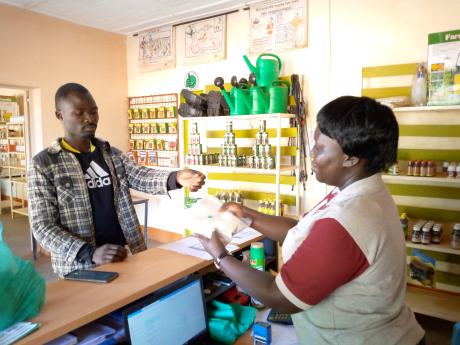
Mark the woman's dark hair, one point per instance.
(363, 128)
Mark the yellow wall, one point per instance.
(42, 53)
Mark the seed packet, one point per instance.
(139, 144)
(130, 114)
(152, 113)
(154, 128)
(137, 128)
(150, 144)
(132, 144)
(145, 113)
(171, 112)
(160, 144)
(163, 128)
(146, 128)
(136, 114)
(131, 128)
(161, 112)
(152, 158)
(172, 127)
(142, 159)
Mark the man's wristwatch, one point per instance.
(218, 260)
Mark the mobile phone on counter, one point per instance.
(91, 276)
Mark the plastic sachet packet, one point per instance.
(204, 218)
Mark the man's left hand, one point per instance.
(192, 179)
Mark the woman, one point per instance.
(343, 277)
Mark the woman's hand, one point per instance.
(213, 245)
(233, 207)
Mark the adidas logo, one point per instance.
(96, 177)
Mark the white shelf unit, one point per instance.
(274, 122)
(431, 131)
(17, 160)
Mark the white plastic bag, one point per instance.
(204, 218)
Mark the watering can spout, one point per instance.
(219, 82)
(251, 67)
(231, 104)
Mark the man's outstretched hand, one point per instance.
(192, 179)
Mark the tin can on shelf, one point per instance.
(258, 138)
(426, 233)
(417, 231)
(270, 163)
(267, 150)
(250, 162)
(257, 162)
(257, 256)
(436, 233)
(431, 169)
(455, 240)
(262, 125)
(264, 138)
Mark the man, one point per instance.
(80, 205)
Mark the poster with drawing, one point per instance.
(278, 25)
(157, 49)
(205, 41)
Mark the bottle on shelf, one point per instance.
(419, 92)
(404, 223)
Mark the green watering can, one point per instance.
(259, 95)
(239, 100)
(267, 70)
(278, 96)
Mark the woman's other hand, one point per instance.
(233, 207)
(213, 245)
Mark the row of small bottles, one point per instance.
(426, 232)
(233, 196)
(269, 207)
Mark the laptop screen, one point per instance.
(175, 315)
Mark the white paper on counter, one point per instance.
(192, 246)
(245, 235)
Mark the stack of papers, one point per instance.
(192, 245)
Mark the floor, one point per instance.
(16, 235)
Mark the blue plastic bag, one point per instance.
(22, 289)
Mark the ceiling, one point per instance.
(128, 16)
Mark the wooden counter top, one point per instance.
(70, 304)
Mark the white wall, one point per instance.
(342, 38)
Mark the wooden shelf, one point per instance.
(443, 247)
(283, 168)
(22, 210)
(17, 167)
(428, 108)
(435, 303)
(20, 180)
(15, 138)
(422, 181)
(240, 117)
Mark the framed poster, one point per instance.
(157, 49)
(278, 25)
(205, 41)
